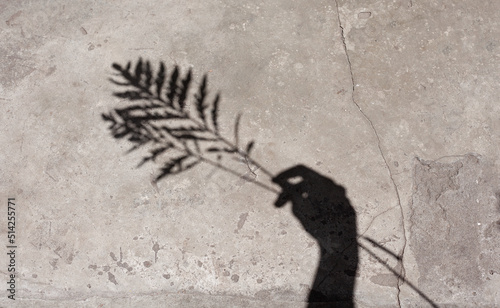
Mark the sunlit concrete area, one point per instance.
(284, 153)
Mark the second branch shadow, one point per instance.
(326, 214)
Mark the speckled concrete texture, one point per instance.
(395, 101)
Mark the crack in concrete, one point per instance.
(402, 273)
(374, 218)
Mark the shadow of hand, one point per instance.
(326, 214)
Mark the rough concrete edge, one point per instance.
(159, 299)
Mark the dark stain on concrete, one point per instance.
(241, 222)
(70, 258)
(51, 71)
(112, 278)
(53, 263)
(125, 266)
(156, 248)
(386, 280)
(112, 255)
(12, 18)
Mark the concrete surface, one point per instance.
(395, 100)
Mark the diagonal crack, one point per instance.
(402, 272)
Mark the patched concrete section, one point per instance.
(455, 230)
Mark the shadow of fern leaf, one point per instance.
(176, 166)
(184, 90)
(172, 87)
(157, 116)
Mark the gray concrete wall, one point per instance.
(396, 101)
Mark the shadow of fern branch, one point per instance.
(161, 118)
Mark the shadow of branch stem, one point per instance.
(395, 273)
